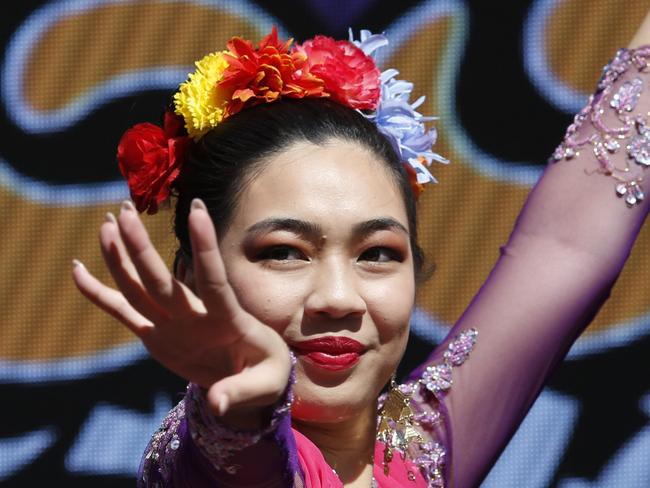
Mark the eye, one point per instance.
(380, 255)
(281, 253)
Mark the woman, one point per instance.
(313, 277)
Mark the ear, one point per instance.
(184, 272)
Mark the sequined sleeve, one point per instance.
(566, 251)
(427, 445)
(614, 123)
(193, 448)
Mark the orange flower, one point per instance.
(416, 187)
(265, 74)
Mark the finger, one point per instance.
(109, 300)
(123, 271)
(210, 274)
(260, 385)
(153, 272)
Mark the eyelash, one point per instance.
(392, 254)
(271, 254)
(290, 253)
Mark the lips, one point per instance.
(333, 353)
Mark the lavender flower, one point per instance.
(398, 119)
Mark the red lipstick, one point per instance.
(333, 353)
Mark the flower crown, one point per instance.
(226, 82)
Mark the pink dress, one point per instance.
(568, 247)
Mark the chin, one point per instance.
(329, 412)
(334, 399)
(314, 413)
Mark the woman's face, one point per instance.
(318, 249)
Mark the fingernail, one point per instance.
(77, 264)
(109, 217)
(223, 404)
(198, 204)
(128, 206)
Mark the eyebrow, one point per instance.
(363, 229)
(314, 232)
(302, 228)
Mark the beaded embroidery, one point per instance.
(633, 132)
(218, 442)
(162, 448)
(434, 382)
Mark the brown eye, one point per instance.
(380, 255)
(281, 253)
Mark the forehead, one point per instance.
(336, 184)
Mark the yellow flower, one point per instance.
(199, 101)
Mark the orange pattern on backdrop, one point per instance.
(44, 317)
(78, 53)
(462, 237)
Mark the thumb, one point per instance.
(258, 386)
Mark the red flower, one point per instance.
(266, 74)
(351, 77)
(149, 158)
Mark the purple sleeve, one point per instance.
(193, 448)
(567, 249)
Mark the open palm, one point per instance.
(204, 335)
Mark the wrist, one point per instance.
(219, 438)
(252, 417)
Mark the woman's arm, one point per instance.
(194, 448)
(567, 249)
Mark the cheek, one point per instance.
(390, 306)
(274, 302)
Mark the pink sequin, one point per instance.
(629, 132)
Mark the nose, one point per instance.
(335, 292)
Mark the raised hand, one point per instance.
(203, 335)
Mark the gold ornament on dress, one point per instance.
(397, 425)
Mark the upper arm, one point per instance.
(534, 304)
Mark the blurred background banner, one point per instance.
(80, 397)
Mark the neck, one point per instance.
(347, 446)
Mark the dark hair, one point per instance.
(220, 164)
